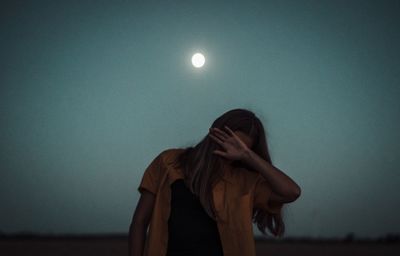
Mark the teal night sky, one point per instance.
(92, 91)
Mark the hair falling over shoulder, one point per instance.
(202, 169)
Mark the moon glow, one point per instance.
(198, 60)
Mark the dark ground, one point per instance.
(118, 245)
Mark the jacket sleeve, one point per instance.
(262, 194)
(152, 175)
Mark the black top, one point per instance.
(190, 230)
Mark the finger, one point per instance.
(216, 139)
(230, 131)
(221, 133)
(234, 134)
(219, 152)
(218, 134)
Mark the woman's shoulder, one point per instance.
(168, 156)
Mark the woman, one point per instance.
(202, 200)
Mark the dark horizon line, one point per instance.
(350, 237)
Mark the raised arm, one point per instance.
(284, 189)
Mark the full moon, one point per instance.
(198, 60)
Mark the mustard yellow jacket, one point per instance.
(234, 196)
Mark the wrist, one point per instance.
(247, 156)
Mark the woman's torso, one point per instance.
(190, 230)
